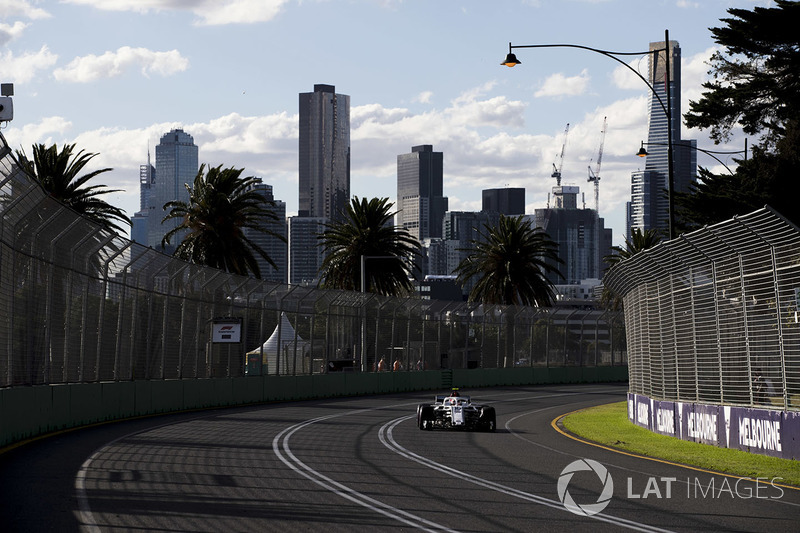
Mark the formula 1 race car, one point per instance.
(449, 412)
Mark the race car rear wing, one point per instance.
(440, 398)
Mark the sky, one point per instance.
(112, 76)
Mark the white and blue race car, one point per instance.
(455, 412)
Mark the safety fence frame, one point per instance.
(713, 317)
(79, 304)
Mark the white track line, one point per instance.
(89, 524)
(386, 437)
(280, 445)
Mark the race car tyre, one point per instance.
(425, 417)
(488, 419)
(419, 411)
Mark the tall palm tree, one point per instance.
(367, 230)
(640, 240)
(511, 261)
(57, 172)
(221, 205)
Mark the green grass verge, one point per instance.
(609, 425)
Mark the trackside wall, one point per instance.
(764, 431)
(27, 412)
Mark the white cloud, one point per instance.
(21, 8)
(9, 32)
(41, 132)
(624, 78)
(209, 12)
(424, 97)
(111, 64)
(21, 69)
(214, 12)
(694, 72)
(559, 85)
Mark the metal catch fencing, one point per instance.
(713, 316)
(80, 304)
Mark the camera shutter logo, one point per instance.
(579, 466)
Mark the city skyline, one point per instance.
(142, 71)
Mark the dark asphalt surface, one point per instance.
(361, 464)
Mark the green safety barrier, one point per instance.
(28, 412)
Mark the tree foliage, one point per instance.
(221, 205)
(755, 78)
(756, 85)
(767, 178)
(57, 171)
(511, 261)
(366, 229)
(640, 240)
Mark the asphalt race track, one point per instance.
(361, 464)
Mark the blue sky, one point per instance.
(113, 75)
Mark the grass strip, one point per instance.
(609, 425)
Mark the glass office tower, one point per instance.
(509, 201)
(275, 248)
(324, 153)
(651, 211)
(176, 165)
(420, 204)
(147, 179)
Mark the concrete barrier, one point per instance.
(27, 412)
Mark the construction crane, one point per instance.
(557, 169)
(594, 175)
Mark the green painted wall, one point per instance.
(27, 412)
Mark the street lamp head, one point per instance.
(511, 60)
(642, 152)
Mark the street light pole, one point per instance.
(643, 153)
(511, 60)
(670, 161)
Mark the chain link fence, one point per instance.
(80, 304)
(712, 317)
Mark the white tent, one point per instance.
(283, 342)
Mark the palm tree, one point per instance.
(640, 240)
(366, 230)
(221, 205)
(511, 261)
(57, 172)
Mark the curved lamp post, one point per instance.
(643, 153)
(511, 60)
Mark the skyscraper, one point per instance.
(579, 233)
(305, 251)
(460, 230)
(508, 201)
(324, 153)
(420, 203)
(651, 210)
(147, 178)
(176, 165)
(275, 248)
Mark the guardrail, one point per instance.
(713, 317)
